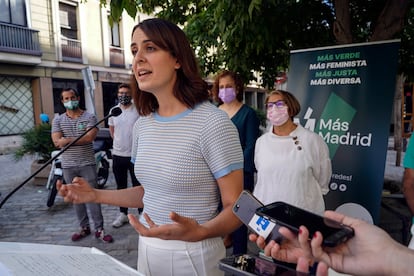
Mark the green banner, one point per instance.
(346, 93)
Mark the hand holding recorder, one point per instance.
(269, 222)
(292, 217)
(245, 209)
(370, 252)
(266, 220)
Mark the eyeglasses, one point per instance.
(279, 104)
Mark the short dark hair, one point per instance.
(124, 85)
(237, 81)
(68, 89)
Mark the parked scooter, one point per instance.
(102, 146)
(55, 174)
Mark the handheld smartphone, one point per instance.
(245, 209)
(293, 217)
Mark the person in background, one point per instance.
(79, 159)
(408, 183)
(408, 179)
(370, 252)
(120, 128)
(292, 163)
(187, 157)
(228, 91)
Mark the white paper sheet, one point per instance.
(21, 259)
(22, 264)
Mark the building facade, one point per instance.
(47, 45)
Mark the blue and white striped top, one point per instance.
(76, 155)
(178, 159)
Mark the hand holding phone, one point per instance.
(292, 217)
(245, 209)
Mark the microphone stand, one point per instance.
(115, 112)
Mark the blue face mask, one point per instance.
(71, 105)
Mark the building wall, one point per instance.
(91, 30)
(34, 81)
(41, 19)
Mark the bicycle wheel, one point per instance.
(103, 173)
(52, 192)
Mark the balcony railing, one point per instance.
(19, 40)
(71, 50)
(116, 57)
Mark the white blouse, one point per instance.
(295, 169)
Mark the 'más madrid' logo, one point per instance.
(334, 125)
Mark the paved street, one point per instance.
(26, 218)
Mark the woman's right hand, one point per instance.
(370, 252)
(79, 191)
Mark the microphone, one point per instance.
(116, 111)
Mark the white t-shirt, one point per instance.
(123, 125)
(295, 169)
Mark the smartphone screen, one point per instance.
(293, 217)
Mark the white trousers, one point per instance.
(179, 258)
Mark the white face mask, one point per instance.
(71, 105)
(278, 116)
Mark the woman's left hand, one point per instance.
(184, 228)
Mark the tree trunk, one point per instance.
(390, 21)
(398, 139)
(342, 24)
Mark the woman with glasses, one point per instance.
(292, 163)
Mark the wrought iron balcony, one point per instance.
(19, 40)
(71, 50)
(116, 57)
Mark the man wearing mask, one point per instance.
(79, 159)
(120, 128)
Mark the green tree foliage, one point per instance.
(257, 35)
